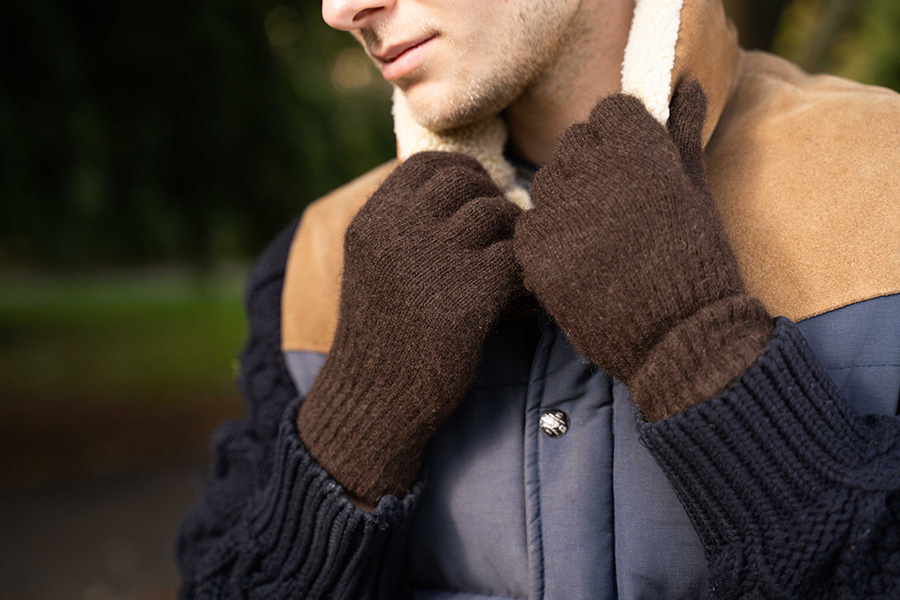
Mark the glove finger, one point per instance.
(616, 105)
(413, 172)
(450, 189)
(619, 118)
(505, 281)
(687, 114)
(484, 220)
(619, 129)
(530, 234)
(426, 164)
(570, 147)
(406, 183)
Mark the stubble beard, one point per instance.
(473, 99)
(478, 94)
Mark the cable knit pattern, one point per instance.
(272, 523)
(792, 493)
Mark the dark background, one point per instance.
(148, 151)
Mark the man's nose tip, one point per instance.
(348, 15)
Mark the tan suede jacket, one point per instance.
(804, 168)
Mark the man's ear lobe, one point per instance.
(687, 114)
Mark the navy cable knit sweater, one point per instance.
(792, 493)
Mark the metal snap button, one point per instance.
(554, 423)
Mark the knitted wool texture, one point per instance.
(625, 249)
(272, 523)
(428, 268)
(792, 494)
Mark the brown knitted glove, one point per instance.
(626, 251)
(428, 268)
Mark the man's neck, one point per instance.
(587, 67)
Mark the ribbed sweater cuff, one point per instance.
(769, 470)
(303, 538)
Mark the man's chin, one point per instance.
(440, 109)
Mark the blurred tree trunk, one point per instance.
(756, 20)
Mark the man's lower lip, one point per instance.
(405, 63)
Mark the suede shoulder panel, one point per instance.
(309, 305)
(806, 172)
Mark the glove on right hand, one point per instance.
(626, 250)
(428, 269)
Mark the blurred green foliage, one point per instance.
(150, 337)
(186, 134)
(108, 372)
(858, 39)
(137, 133)
(172, 132)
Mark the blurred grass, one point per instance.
(120, 159)
(106, 373)
(146, 336)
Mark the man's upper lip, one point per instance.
(391, 52)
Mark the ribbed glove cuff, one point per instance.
(700, 355)
(370, 437)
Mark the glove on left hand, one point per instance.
(428, 270)
(625, 249)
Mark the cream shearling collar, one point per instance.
(647, 73)
(803, 169)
